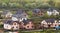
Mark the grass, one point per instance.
(45, 31)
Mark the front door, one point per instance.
(49, 26)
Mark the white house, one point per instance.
(49, 23)
(49, 13)
(53, 12)
(6, 14)
(9, 14)
(8, 25)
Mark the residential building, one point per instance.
(6, 14)
(19, 16)
(38, 12)
(28, 24)
(49, 23)
(52, 12)
(9, 25)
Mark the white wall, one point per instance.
(49, 13)
(7, 26)
(9, 14)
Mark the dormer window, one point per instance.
(15, 23)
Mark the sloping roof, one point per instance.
(36, 10)
(5, 12)
(20, 11)
(7, 21)
(10, 22)
(16, 22)
(50, 9)
(50, 20)
(26, 21)
(23, 15)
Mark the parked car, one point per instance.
(57, 27)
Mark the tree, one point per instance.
(51, 2)
(46, 16)
(30, 14)
(57, 4)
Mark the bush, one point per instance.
(1, 26)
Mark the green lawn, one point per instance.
(45, 31)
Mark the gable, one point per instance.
(43, 22)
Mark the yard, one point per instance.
(40, 31)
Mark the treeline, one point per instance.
(29, 4)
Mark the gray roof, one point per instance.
(10, 22)
(50, 9)
(7, 21)
(5, 12)
(50, 20)
(20, 11)
(36, 10)
(26, 21)
(23, 15)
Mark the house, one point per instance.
(19, 16)
(26, 24)
(7, 14)
(38, 12)
(49, 23)
(15, 25)
(59, 22)
(52, 11)
(9, 25)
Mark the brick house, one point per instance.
(27, 24)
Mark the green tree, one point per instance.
(30, 14)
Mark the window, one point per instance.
(7, 26)
(59, 25)
(32, 26)
(27, 26)
(12, 27)
(16, 27)
(55, 25)
(24, 15)
(15, 23)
